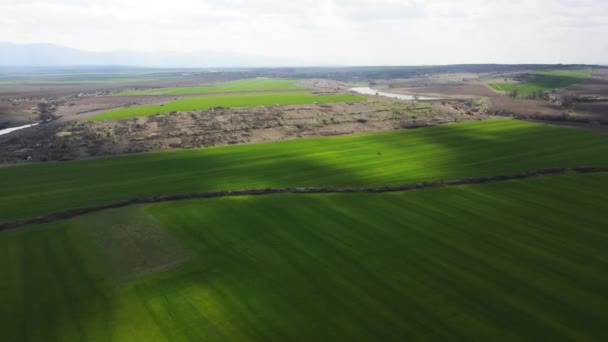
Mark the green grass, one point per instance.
(516, 260)
(245, 85)
(544, 81)
(442, 152)
(228, 101)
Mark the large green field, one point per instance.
(510, 260)
(245, 85)
(519, 260)
(228, 101)
(501, 146)
(544, 81)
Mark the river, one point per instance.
(12, 129)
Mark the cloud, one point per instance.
(379, 10)
(325, 31)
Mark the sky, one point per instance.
(329, 32)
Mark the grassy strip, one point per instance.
(294, 190)
(544, 81)
(515, 260)
(253, 84)
(444, 152)
(228, 101)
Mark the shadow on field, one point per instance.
(498, 149)
(554, 81)
(238, 242)
(442, 152)
(96, 182)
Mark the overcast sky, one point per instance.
(358, 32)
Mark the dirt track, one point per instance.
(309, 190)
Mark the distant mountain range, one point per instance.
(55, 55)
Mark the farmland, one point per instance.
(501, 261)
(287, 208)
(246, 85)
(544, 81)
(443, 152)
(227, 101)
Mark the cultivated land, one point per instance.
(514, 260)
(227, 101)
(544, 81)
(517, 257)
(442, 152)
(246, 85)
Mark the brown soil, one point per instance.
(18, 112)
(42, 90)
(76, 139)
(431, 80)
(459, 90)
(598, 109)
(596, 85)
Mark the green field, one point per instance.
(517, 260)
(501, 146)
(511, 260)
(544, 81)
(227, 101)
(246, 85)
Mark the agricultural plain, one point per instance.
(514, 260)
(506, 260)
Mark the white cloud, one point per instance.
(325, 31)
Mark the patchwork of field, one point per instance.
(516, 260)
(486, 148)
(245, 85)
(227, 101)
(544, 80)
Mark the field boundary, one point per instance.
(56, 216)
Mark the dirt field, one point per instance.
(596, 85)
(455, 90)
(17, 113)
(76, 139)
(431, 80)
(49, 90)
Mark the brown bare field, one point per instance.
(431, 80)
(49, 90)
(597, 109)
(459, 90)
(596, 85)
(17, 113)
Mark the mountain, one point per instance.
(55, 55)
